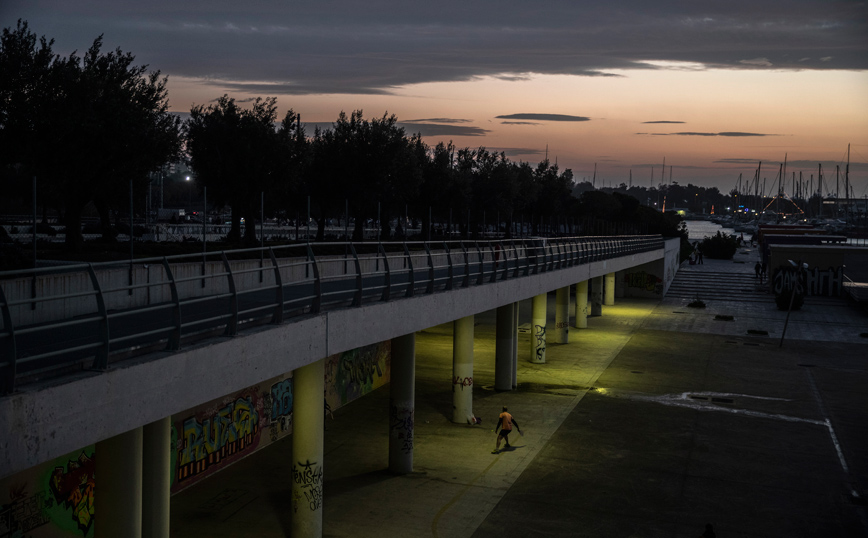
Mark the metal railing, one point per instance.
(63, 319)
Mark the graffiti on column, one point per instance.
(540, 334)
(401, 427)
(225, 433)
(308, 478)
(461, 382)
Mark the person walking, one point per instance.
(505, 422)
(758, 270)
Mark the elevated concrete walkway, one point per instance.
(654, 421)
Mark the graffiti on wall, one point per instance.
(644, 281)
(827, 282)
(355, 373)
(308, 479)
(280, 419)
(72, 486)
(208, 438)
(56, 498)
(24, 512)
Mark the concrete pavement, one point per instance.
(655, 420)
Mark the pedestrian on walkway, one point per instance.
(758, 270)
(709, 532)
(699, 254)
(505, 422)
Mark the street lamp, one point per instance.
(190, 193)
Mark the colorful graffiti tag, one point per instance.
(281, 408)
(53, 499)
(208, 439)
(355, 373)
(73, 487)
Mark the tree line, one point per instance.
(93, 127)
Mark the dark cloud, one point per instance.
(441, 120)
(542, 117)
(663, 121)
(519, 123)
(518, 153)
(730, 133)
(343, 46)
(437, 129)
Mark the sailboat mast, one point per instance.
(847, 180)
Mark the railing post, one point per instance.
(481, 278)
(450, 272)
(277, 317)
(174, 342)
(101, 360)
(412, 287)
(317, 282)
(494, 260)
(232, 324)
(387, 290)
(357, 299)
(466, 282)
(430, 287)
(8, 380)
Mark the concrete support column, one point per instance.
(597, 296)
(402, 404)
(504, 363)
(307, 442)
(156, 478)
(515, 345)
(462, 369)
(538, 329)
(118, 496)
(609, 299)
(562, 316)
(582, 305)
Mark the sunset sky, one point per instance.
(713, 86)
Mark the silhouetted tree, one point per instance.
(86, 126)
(240, 155)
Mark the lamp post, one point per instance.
(189, 192)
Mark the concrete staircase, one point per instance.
(719, 286)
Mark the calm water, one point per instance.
(700, 229)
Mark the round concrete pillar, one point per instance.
(402, 404)
(609, 299)
(118, 495)
(562, 316)
(538, 330)
(515, 345)
(307, 442)
(462, 369)
(156, 478)
(582, 305)
(504, 348)
(597, 296)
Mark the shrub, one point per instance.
(720, 246)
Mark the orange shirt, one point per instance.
(505, 421)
